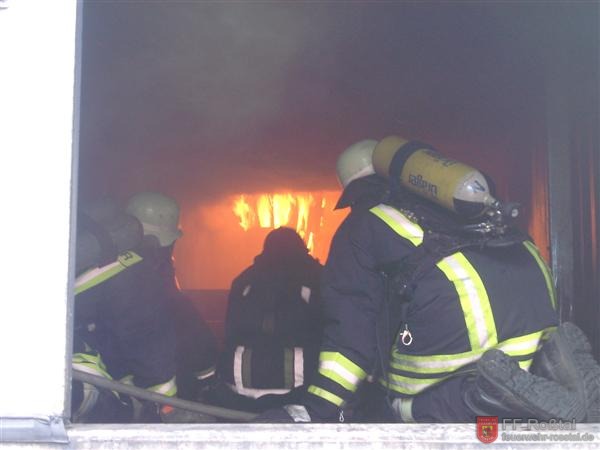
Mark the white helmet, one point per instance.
(158, 214)
(355, 162)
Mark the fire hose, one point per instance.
(143, 394)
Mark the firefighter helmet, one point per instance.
(158, 214)
(355, 162)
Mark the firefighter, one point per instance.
(272, 327)
(195, 344)
(123, 326)
(443, 339)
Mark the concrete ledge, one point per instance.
(299, 436)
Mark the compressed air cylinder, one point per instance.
(103, 231)
(422, 170)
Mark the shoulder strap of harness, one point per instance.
(404, 273)
(93, 277)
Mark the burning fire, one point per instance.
(294, 210)
(222, 238)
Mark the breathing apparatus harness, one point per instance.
(445, 233)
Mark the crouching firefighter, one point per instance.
(436, 305)
(272, 327)
(123, 330)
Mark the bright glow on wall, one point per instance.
(221, 239)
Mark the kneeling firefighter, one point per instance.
(123, 326)
(272, 327)
(436, 306)
(196, 346)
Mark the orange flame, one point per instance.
(282, 208)
(242, 209)
(264, 211)
(277, 210)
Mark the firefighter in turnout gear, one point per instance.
(430, 316)
(194, 345)
(272, 327)
(123, 326)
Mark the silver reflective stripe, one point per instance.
(305, 293)
(338, 369)
(402, 408)
(255, 393)
(298, 366)
(298, 413)
(525, 345)
(93, 273)
(246, 290)
(238, 383)
(93, 277)
(90, 397)
(341, 370)
(408, 385)
(87, 368)
(237, 368)
(205, 373)
(453, 362)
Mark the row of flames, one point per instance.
(278, 210)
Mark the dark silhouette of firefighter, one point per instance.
(273, 327)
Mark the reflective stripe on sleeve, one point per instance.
(90, 363)
(326, 395)
(340, 369)
(168, 388)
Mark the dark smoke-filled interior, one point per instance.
(239, 110)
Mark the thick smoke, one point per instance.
(204, 99)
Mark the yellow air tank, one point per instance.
(422, 170)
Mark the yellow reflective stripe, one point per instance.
(409, 386)
(545, 270)
(127, 379)
(332, 371)
(168, 388)
(429, 365)
(94, 277)
(522, 345)
(518, 346)
(91, 364)
(331, 398)
(347, 364)
(474, 300)
(87, 358)
(399, 223)
(526, 364)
